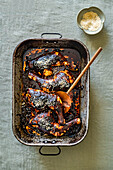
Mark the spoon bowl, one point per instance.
(66, 100)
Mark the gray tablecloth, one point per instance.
(25, 19)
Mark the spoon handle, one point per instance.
(85, 69)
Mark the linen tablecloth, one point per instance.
(25, 19)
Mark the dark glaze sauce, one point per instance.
(44, 72)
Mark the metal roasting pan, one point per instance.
(17, 90)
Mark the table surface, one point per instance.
(25, 19)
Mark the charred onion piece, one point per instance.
(45, 61)
(51, 127)
(41, 100)
(61, 81)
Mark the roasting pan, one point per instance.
(82, 51)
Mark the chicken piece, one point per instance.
(62, 80)
(47, 125)
(45, 61)
(41, 100)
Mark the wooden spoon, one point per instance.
(64, 95)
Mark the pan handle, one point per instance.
(51, 154)
(51, 34)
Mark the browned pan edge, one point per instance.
(17, 75)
